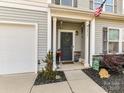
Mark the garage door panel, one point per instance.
(17, 48)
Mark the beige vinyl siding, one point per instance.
(100, 23)
(21, 1)
(44, 1)
(83, 4)
(21, 15)
(119, 6)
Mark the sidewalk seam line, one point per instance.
(32, 85)
(70, 87)
(31, 88)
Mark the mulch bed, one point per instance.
(114, 84)
(40, 81)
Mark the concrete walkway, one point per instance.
(80, 83)
(75, 66)
(77, 82)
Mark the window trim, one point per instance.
(104, 6)
(111, 5)
(120, 41)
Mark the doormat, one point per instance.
(68, 62)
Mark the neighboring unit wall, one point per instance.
(29, 16)
(100, 23)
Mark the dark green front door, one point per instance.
(66, 45)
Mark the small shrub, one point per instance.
(113, 62)
(48, 73)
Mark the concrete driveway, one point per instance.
(19, 83)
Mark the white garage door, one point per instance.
(17, 48)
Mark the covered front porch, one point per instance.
(74, 36)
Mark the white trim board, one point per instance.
(59, 37)
(36, 37)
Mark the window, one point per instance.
(72, 3)
(111, 40)
(98, 3)
(113, 34)
(66, 2)
(108, 7)
(57, 2)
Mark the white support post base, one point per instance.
(54, 62)
(86, 65)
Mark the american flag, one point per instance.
(99, 9)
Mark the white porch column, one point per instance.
(92, 40)
(86, 64)
(49, 1)
(54, 41)
(49, 33)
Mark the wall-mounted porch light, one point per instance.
(76, 33)
(61, 23)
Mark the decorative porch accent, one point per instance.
(99, 9)
(104, 73)
(58, 56)
(96, 63)
(112, 62)
(77, 55)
